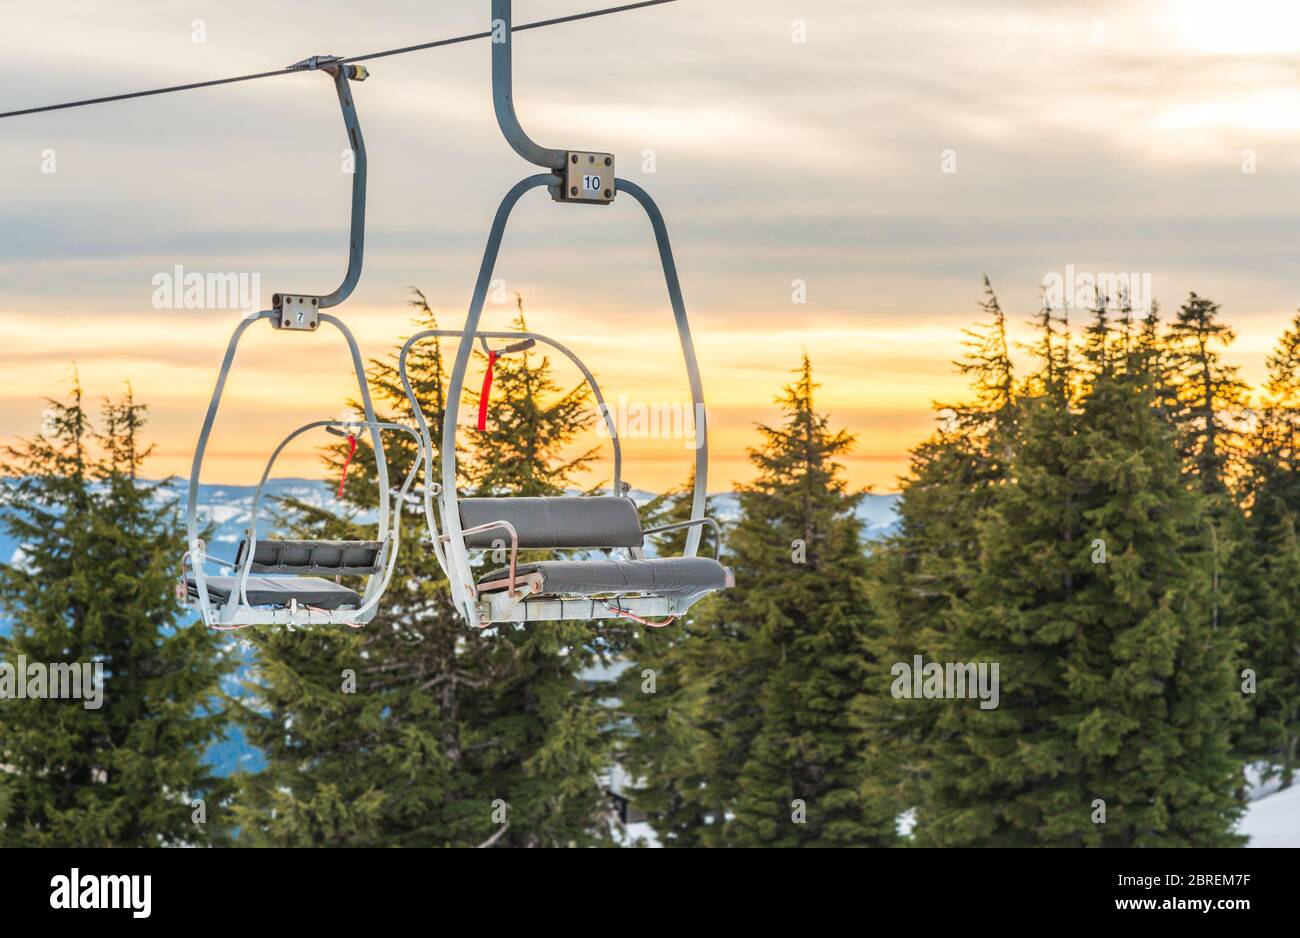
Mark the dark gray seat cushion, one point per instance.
(569, 521)
(661, 576)
(279, 590)
(330, 558)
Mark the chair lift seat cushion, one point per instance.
(661, 576)
(565, 521)
(327, 558)
(279, 590)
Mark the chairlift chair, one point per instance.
(297, 581)
(652, 591)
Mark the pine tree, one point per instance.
(917, 574)
(96, 584)
(391, 764)
(778, 660)
(449, 729)
(1115, 686)
(662, 706)
(1272, 632)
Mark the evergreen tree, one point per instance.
(660, 703)
(446, 724)
(95, 584)
(777, 661)
(1206, 404)
(1273, 629)
(1150, 360)
(531, 424)
(1114, 683)
(1210, 397)
(917, 574)
(391, 764)
(551, 734)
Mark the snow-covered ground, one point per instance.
(1274, 821)
(1273, 817)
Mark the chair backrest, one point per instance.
(603, 521)
(327, 558)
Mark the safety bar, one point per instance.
(530, 338)
(514, 546)
(185, 560)
(676, 526)
(503, 95)
(523, 346)
(390, 545)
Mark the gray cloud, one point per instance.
(775, 160)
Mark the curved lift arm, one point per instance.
(688, 354)
(357, 234)
(503, 94)
(294, 303)
(578, 176)
(459, 572)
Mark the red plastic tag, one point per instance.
(347, 461)
(487, 390)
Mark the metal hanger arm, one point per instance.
(357, 237)
(503, 94)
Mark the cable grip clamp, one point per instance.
(330, 65)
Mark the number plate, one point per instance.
(296, 312)
(589, 177)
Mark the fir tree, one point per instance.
(449, 730)
(1273, 629)
(779, 659)
(1115, 686)
(1210, 397)
(916, 575)
(95, 583)
(531, 424)
(391, 764)
(1207, 405)
(549, 735)
(661, 702)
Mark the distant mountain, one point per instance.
(228, 508)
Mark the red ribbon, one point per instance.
(347, 461)
(487, 389)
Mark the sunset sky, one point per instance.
(1106, 136)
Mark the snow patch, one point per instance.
(1274, 821)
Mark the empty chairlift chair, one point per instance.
(296, 582)
(641, 588)
(637, 588)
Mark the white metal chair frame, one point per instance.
(304, 313)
